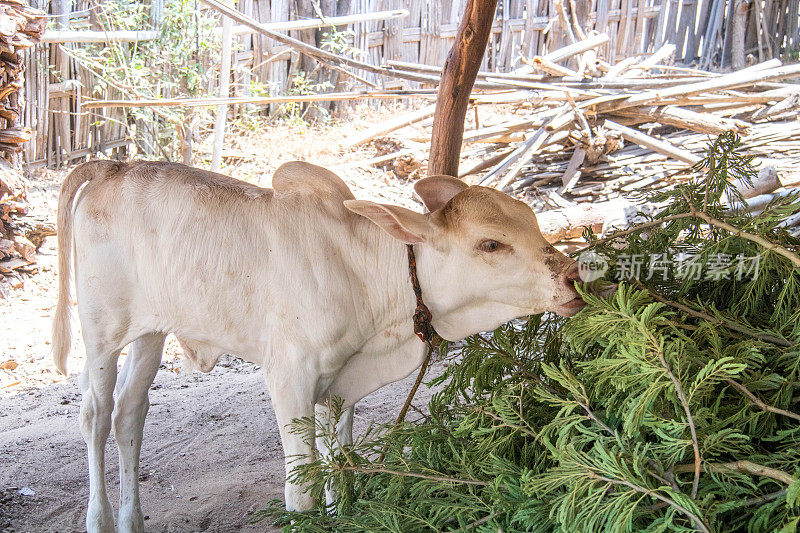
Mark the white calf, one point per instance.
(301, 279)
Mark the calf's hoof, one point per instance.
(99, 517)
(331, 495)
(131, 520)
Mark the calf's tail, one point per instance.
(62, 330)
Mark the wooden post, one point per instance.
(156, 13)
(458, 77)
(740, 12)
(61, 11)
(224, 85)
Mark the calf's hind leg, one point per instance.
(132, 404)
(97, 386)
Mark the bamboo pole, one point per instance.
(572, 174)
(311, 24)
(616, 70)
(259, 100)
(642, 139)
(534, 142)
(740, 12)
(313, 51)
(577, 48)
(61, 8)
(532, 146)
(550, 67)
(392, 125)
(728, 81)
(666, 51)
(90, 36)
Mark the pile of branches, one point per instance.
(21, 233)
(672, 405)
(591, 130)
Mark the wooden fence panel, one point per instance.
(700, 29)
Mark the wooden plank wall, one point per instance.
(55, 84)
(522, 28)
(700, 29)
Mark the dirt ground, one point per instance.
(211, 453)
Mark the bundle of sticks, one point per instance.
(20, 27)
(588, 131)
(21, 233)
(16, 251)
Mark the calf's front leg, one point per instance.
(342, 429)
(368, 371)
(292, 394)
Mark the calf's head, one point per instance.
(482, 259)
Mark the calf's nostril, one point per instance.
(572, 274)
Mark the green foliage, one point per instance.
(302, 83)
(170, 66)
(338, 42)
(594, 423)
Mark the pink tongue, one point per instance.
(607, 290)
(577, 302)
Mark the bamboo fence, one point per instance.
(701, 30)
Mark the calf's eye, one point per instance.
(489, 245)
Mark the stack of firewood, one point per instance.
(20, 27)
(16, 251)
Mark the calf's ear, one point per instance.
(436, 191)
(401, 223)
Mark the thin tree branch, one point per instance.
(420, 411)
(591, 414)
(760, 403)
(769, 245)
(476, 523)
(685, 404)
(708, 219)
(640, 227)
(698, 523)
(745, 467)
(714, 320)
(763, 499)
(505, 423)
(445, 479)
(402, 415)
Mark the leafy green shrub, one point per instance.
(670, 406)
(170, 66)
(303, 84)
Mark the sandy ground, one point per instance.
(211, 453)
